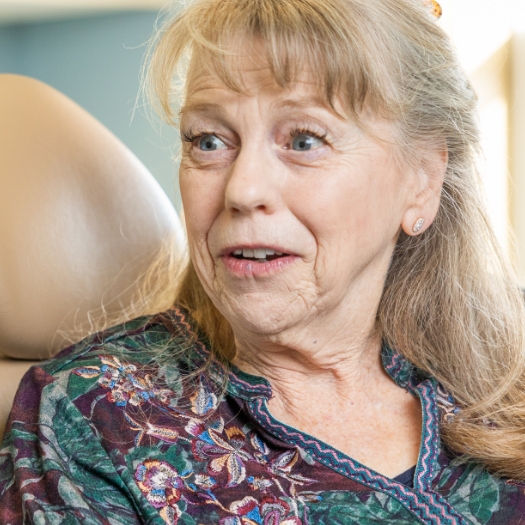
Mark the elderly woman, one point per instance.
(347, 343)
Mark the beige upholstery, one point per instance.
(11, 372)
(80, 220)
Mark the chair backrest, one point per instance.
(80, 218)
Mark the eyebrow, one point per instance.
(201, 107)
(218, 110)
(305, 103)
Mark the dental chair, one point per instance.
(80, 221)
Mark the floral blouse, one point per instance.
(105, 433)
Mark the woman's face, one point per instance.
(292, 212)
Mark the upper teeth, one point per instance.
(257, 253)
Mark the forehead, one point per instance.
(252, 76)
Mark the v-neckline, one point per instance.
(419, 499)
(425, 504)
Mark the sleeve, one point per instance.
(53, 467)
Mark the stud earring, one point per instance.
(418, 225)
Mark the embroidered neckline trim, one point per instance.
(422, 501)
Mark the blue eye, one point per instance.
(304, 142)
(210, 143)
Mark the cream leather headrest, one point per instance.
(80, 217)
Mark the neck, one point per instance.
(339, 366)
(336, 350)
(328, 381)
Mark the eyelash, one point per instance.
(192, 136)
(308, 131)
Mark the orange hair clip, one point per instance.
(435, 8)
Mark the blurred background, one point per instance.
(91, 50)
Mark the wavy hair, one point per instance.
(451, 303)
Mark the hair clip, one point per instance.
(435, 8)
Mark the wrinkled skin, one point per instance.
(278, 168)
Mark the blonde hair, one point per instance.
(451, 304)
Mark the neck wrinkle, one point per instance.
(292, 372)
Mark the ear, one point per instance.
(423, 203)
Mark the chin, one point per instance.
(263, 317)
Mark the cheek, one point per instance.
(202, 203)
(336, 206)
(353, 212)
(202, 199)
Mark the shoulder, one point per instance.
(140, 340)
(125, 359)
(67, 413)
(138, 363)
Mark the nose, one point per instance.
(253, 183)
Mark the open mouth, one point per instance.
(258, 254)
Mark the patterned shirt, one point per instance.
(107, 432)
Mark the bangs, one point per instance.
(298, 39)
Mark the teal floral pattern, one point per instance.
(124, 383)
(103, 434)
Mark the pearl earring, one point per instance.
(418, 225)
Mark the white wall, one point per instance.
(490, 37)
(517, 149)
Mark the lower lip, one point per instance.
(245, 267)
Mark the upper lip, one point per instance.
(252, 246)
